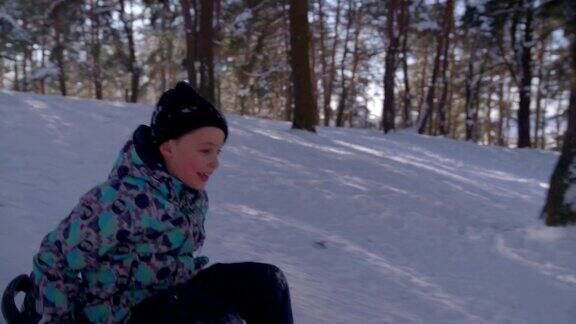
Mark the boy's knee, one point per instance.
(275, 276)
(279, 276)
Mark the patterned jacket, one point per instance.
(127, 238)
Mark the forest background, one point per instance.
(499, 72)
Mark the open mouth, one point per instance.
(203, 176)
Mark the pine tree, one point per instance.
(304, 102)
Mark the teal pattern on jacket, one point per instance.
(127, 239)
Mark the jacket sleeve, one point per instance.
(74, 246)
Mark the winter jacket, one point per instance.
(127, 238)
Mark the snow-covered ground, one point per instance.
(368, 228)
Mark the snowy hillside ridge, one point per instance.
(369, 228)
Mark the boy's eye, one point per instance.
(209, 151)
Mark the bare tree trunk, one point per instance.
(429, 104)
(59, 55)
(95, 48)
(133, 67)
(388, 113)
(322, 52)
(27, 58)
(468, 84)
(305, 104)
(508, 110)
(246, 70)
(42, 63)
(344, 89)
(331, 71)
(314, 79)
(288, 112)
(324, 62)
(540, 75)
(431, 97)
(447, 30)
(206, 49)
(424, 77)
(525, 83)
(165, 59)
(501, 112)
(351, 96)
(476, 134)
(289, 105)
(404, 24)
(488, 118)
(543, 125)
(559, 209)
(16, 82)
(217, 41)
(190, 41)
(452, 117)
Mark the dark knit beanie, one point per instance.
(181, 110)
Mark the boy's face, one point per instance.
(194, 156)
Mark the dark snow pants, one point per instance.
(223, 293)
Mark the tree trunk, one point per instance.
(95, 44)
(288, 112)
(560, 208)
(388, 113)
(133, 67)
(525, 83)
(404, 24)
(508, 111)
(324, 62)
(424, 77)
(27, 58)
(468, 84)
(351, 89)
(206, 49)
(543, 125)
(59, 55)
(447, 30)
(218, 38)
(190, 46)
(43, 63)
(331, 70)
(501, 112)
(344, 89)
(16, 83)
(476, 134)
(540, 75)
(431, 97)
(304, 102)
(246, 70)
(488, 118)
(164, 46)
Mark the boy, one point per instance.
(126, 251)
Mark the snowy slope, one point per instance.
(368, 228)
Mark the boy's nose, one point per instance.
(214, 164)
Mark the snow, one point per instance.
(427, 25)
(244, 92)
(368, 228)
(15, 32)
(241, 21)
(45, 72)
